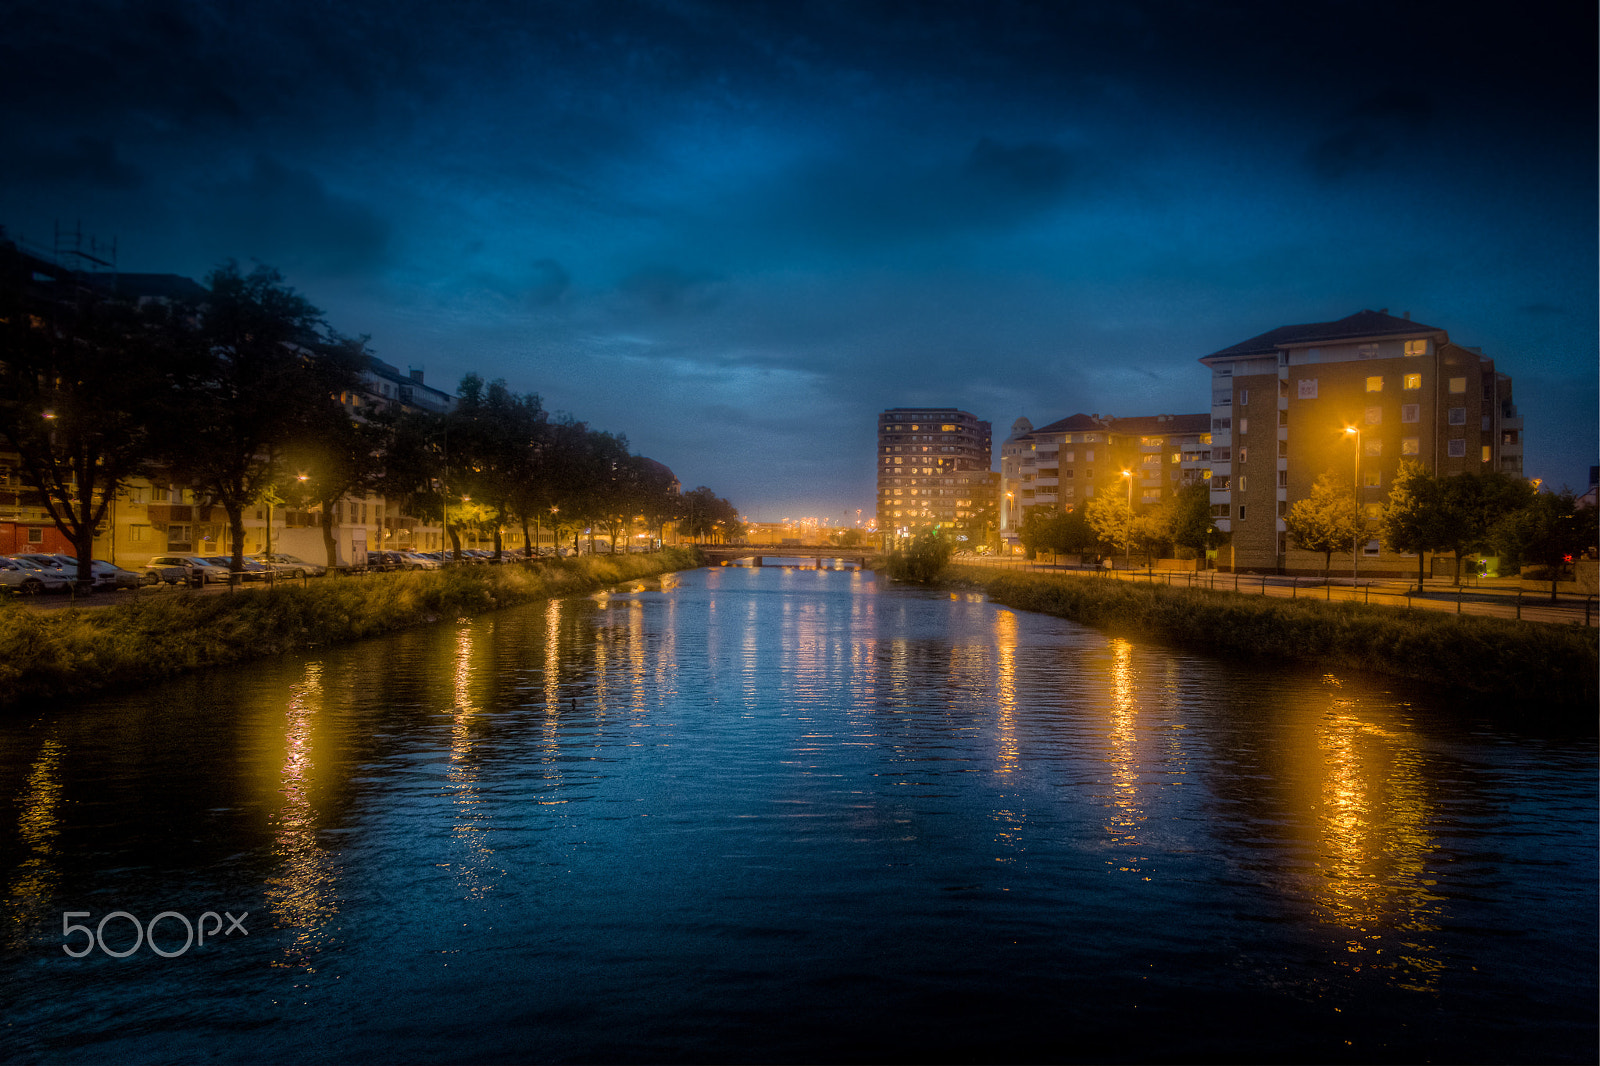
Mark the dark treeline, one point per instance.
(244, 394)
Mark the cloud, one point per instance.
(287, 217)
(91, 162)
(1372, 133)
(666, 290)
(548, 283)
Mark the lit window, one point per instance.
(1411, 446)
(1486, 458)
(1416, 347)
(1372, 446)
(1458, 385)
(948, 429)
(1205, 475)
(1373, 510)
(1456, 449)
(1241, 482)
(1372, 479)
(1244, 425)
(1413, 381)
(1410, 412)
(1244, 453)
(1458, 416)
(1374, 416)
(1375, 384)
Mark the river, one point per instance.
(790, 815)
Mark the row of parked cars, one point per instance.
(29, 573)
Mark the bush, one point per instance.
(46, 655)
(924, 560)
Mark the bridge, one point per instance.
(758, 554)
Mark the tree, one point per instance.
(924, 558)
(83, 381)
(1551, 531)
(334, 454)
(1474, 503)
(1327, 521)
(1415, 517)
(497, 435)
(1188, 518)
(267, 360)
(1112, 520)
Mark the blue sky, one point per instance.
(735, 232)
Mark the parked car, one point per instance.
(108, 575)
(23, 578)
(288, 565)
(384, 561)
(252, 570)
(187, 569)
(62, 566)
(417, 561)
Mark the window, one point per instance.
(1151, 459)
(1244, 425)
(1367, 351)
(1244, 397)
(1456, 449)
(1283, 479)
(1375, 383)
(1458, 416)
(1177, 456)
(1221, 423)
(1241, 482)
(1373, 511)
(1372, 479)
(1219, 482)
(1088, 456)
(1486, 455)
(1219, 510)
(1283, 418)
(1458, 386)
(1067, 474)
(137, 534)
(1410, 446)
(1410, 412)
(1308, 388)
(1372, 446)
(1221, 455)
(1066, 457)
(1283, 449)
(1241, 512)
(1149, 495)
(1486, 425)
(35, 534)
(1243, 453)
(1416, 347)
(1413, 381)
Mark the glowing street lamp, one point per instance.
(1127, 541)
(1355, 494)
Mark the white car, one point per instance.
(26, 577)
(187, 568)
(288, 565)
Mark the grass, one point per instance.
(47, 655)
(1555, 665)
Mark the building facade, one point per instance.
(1064, 463)
(1351, 398)
(933, 469)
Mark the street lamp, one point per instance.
(1127, 539)
(1355, 494)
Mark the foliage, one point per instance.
(1414, 518)
(1187, 515)
(1058, 532)
(708, 516)
(1510, 659)
(1327, 521)
(924, 559)
(1473, 504)
(1112, 521)
(83, 383)
(1551, 531)
(46, 655)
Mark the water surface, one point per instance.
(793, 815)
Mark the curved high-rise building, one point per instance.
(933, 469)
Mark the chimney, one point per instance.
(416, 374)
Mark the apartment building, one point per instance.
(1352, 398)
(1064, 463)
(933, 468)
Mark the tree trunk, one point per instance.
(83, 546)
(329, 544)
(1422, 557)
(236, 531)
(1327, 564)
(527, 543)
(455, 541)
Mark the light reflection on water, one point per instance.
(788, 814)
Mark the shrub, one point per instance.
(924, 560)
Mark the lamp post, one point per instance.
(1355, 494)
(1127, 539)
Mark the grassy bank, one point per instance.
(51, 654)
(1527, 662)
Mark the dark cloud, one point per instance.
(88, 162)
(1377, 132)
(549, 283)
(1542, 309)
(670, 291)
(286, 216)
